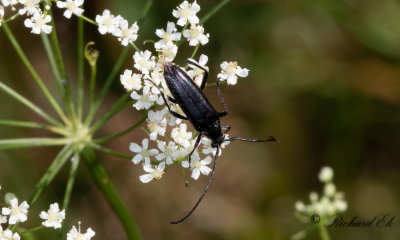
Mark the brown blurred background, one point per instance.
(324, 79)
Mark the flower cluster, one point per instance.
(330, 203)
(118, 27)
(173, 138)
(17, 212)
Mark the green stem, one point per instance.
(111, 152)
(29, 104)
(323, 232)
(32, 229)
(93, 73)
(61, 68)
(34, 74)
(215, 84)
(31, 142)
(214, 11)
(145, 10)
(111, 194)
(120, 105)
(51, 172)
(88, 20)
(11, 18)
(195, 51)
(25, 124)
(108, 138)
(71, 180)
(107, 84)
(80, 91)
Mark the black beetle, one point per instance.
(199, 111)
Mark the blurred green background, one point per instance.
(324, 79)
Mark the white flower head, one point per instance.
(198, 166)
(30, 7)
(168, 52)
(144, 62)
(231, 71)
(53, 216)
(144, 101)
(169, 35)
(197, 73)
(16, 213)
(72, 7)
(142, 152)
(38, 23)
(153, 173)
(195, 35)
(75, 234)
(156, 124)
(8, 235)
(131, 81)
(125, 33)
(326, 174)
(168, 152)
(107, 22)
(172, 120)
(181, 136)
(7, 3)
(186, 12)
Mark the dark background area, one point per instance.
(324, 79)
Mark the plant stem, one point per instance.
(34, 74)
(109, 151)
(80, 91)
(31, 142)
(108, 138)
(71, 180)
(214, 11)
(110, 193)
(107, 84)
(323, 232)
(51, 172)
(29, 104)
(26, 124)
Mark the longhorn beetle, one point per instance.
(199, 111)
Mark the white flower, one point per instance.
(144, 62)
(131, 81)
(107, 22)
(7, 3)
(172, 120)
(156, 124)
(195, 35)
(329, 189)
(8, 235)
(142, 153)
(167, 36)
(230, 71)
(197, 73)
(198, 166)
(168, 52)
(168, 152)
(326, 174)
(16, 212)
(207, 148)
(3, 219)
(53, 216)
(75, 234)
(153, 173)
(30, 7)
(144, 101)
(72, 7)
(180, 135)
(38, 23)
(186, 12)
(125, 33)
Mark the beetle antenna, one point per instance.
(204, 192)
(270, 139)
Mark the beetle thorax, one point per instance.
(214, 133)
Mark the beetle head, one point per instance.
(214, 133)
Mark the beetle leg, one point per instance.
(225, 127)
(205, 75)
(171, 99)
(175, 114)
(270, 139)
(195, 146)
(224, 113)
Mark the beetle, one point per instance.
(198, 110)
